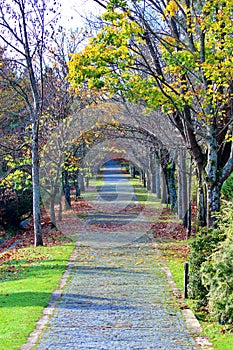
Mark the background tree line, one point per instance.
(157, 76)
(165, 56)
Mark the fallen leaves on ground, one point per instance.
(25, 238)
(81, 206)
(167, 227)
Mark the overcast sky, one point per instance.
(73, 10)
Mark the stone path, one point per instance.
(117, 205)
(117, 297)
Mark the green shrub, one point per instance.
(205, 243)
(225, 218)
(14, 206)
(217, 277)
(227, 188)
(217, 272)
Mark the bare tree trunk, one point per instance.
(148, 182)
(179, 198)
(163, 187)
(189, 211)
(77, 187)
(159, 176)
(201, 204)
(141, 175)
(81, 182)
(52, 210)
(87, 181)
(144, 178)
(172, 186)
(182, 185)
(153, 182)
(60, 203)
(36, 187)
(132, 171)
(212, 183)
(66, 189)
(152, 172)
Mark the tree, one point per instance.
(58, 96)
(25, 31)
(176, 56)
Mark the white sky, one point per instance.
(73, 10)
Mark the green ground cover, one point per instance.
(175, 253)
(145, 197)
(27, 280)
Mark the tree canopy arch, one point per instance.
(67, 149)
(169, 55)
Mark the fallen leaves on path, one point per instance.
(166, 226)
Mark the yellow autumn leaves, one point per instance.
(171, 8)
(108, 48)
(115, 59)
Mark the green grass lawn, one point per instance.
(27, 282)
(144, 197)
(174, 252)
(95, 184)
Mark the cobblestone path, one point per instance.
(117, 297)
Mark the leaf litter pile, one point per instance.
(14, 260)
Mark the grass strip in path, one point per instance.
(28, 278)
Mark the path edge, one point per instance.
(48, 311)
(193, 325)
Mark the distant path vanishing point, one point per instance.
(117, 296)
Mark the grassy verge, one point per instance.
(176, 253)
(143, 195)
(28, 278)
(95, 184)
(140, 192)
(97, 181)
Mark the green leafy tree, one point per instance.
(176, 56)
